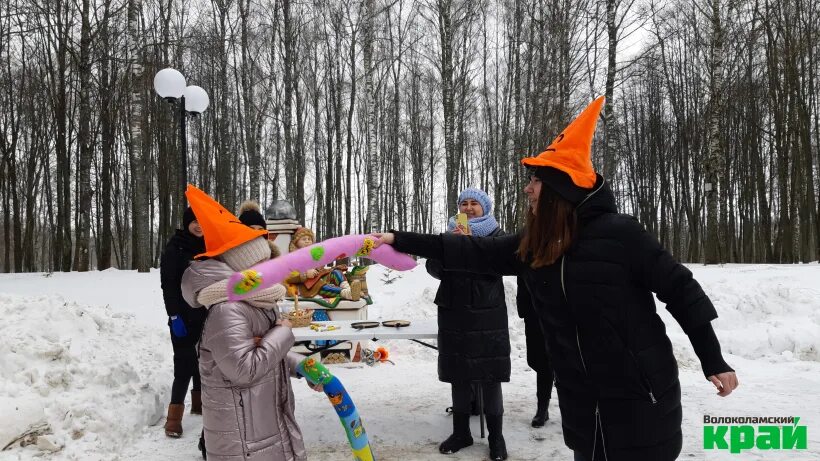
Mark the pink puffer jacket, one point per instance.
(247, 399)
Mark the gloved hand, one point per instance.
(178, 327)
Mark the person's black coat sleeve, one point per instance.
(172, 266)
(434, 268)
(707, 348)
(481, 255)
(657, 270)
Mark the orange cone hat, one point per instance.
(222, 229)
(571, 151)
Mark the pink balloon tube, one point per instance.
(245, 283)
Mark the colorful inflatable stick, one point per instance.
(263, 275)
(315, 372)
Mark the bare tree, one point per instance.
(138, 156)
(714, 162)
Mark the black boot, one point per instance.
(498, 448)
(461, 435)
(541, 414)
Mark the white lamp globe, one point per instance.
(196, 99)
(169, 83)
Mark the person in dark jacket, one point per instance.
(537, 353)
(591, 273)
(185, 323)
(473, 338)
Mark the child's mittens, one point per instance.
(178, 327)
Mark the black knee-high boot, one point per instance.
(461, 435)
(498, 448)
(544, 391)
(541, 413)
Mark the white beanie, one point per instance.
(246, 255)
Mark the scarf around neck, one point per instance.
(480, 227)
(264, 299)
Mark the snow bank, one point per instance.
(766, 311)
(131, 292)
(85, 369)
(79, 379)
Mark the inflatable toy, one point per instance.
(245, 283)
(317, 373)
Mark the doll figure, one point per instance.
(322, 281)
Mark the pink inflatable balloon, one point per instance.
(243, 284)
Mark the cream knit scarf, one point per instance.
(263, 299)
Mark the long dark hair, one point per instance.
(551, 232)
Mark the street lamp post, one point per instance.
(170, 85)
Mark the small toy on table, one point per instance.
(298, 317)
(319, 327)
(321, 281)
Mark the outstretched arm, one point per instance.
(659, 271)
(483, 255)
(707, 348)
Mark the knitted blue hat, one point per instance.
(479, 196)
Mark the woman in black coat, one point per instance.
(591, 273)
(537, 353)
(473, 338)
(185, 324)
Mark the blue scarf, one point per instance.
(480, 227)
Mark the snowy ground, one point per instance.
(85, 358)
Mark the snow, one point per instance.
(85, 368)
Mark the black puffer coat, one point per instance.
(473, 337)
(178, 254)
(537, 351)
(615, 372)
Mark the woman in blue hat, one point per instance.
(473, 338)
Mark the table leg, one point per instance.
(423, 343)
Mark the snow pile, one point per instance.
(765, 312)
(92, 382)
(77, 379)
(131, 292)
(770, 312)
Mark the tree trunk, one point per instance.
(371, 125)
(713, 165)
(63, 243)
(349, 159)
(141, 249)
(610, 144)
(250, 117)
(107, 134)
(446, 70)
(82, 256)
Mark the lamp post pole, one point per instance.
(183, 156)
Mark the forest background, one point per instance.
(373, 114)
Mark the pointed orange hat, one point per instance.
(222, 229)
(571, 151)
